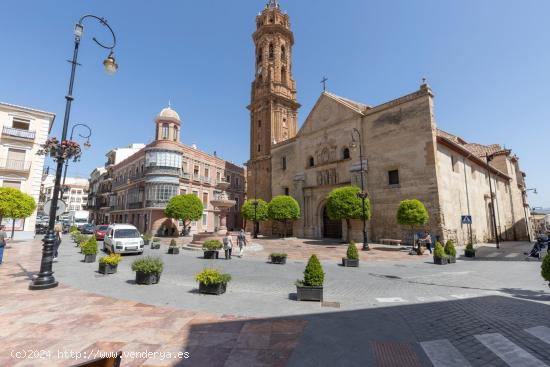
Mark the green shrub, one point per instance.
(89, 247)
(352, 252)
(80, 238)
(212, 245)
(545, 267)
(439, 251)
(147, 236)
(450, 248)
(156, 239)
(73, 229)
(112, 259)
(313, 274)
(148, 265)
(212, 276)
(173, 243)
(278, 254)
(470, 247)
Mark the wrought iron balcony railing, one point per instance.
(15, 165)
(18, 133)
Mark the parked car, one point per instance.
(123, 238)
(100, 231)
(40, 228)
(87, 229)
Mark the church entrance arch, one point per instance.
(331, 228)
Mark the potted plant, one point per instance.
(173, 248)
(147, 237)
(211, 249)
(311, 288)
(545, 268)
(450, 251)
(211, 281)
(148, 269)
(439, 254)
(89, 249)
(352, 256)
(278, 258)
(470, 251)
(108, 264)
(155, 245)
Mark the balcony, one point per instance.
(14, 165)
(186, 175)
(156, 203)
(18, 133)
(136, 205)
(162, 170)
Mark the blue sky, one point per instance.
(488, 63)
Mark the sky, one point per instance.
(488, 63)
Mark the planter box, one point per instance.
(107, 268)
(440, 260)
(147, 278)
(89, 258)
(305, 293)
(451, 259)
(350, 263)
(278, 260)
(173, 250)
(216, 289)
(211, 254)
(470, 253)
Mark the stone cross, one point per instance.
(324, 82)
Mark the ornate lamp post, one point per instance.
(255, 203)
(363, 194)
(45, 279)
(86, 144)
(490, 158)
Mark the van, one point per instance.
(123, 239)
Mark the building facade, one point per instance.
(405, 156)
(75, 194)
(24, 130)
(142, 184)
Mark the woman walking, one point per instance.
(3, 239)
(241, 242)
(57, 231)
(227, 245)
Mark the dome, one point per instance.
(168, 114)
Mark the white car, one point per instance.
(123, 239)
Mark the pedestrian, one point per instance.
(57, 229)
(241, 242)
(227, 245)
(3, 240)
(427, 239)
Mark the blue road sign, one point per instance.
(466, 219)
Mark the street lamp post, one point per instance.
(524, 196)
(255, 203)
(363, 194)
(490, 158)
(86, 144)
(45, 279)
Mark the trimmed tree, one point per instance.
(412, 213)
(313, 274)
(15, 204)
(344, 204)
(545, 268)
(283, 208)
(247, 211)
(186, 208)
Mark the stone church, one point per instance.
(405, 156)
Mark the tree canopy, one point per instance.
(247, 210)
(343, 203)
(412, 212)
(15, 204)
(186, 208)
(283, 208)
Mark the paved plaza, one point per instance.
(403, 311)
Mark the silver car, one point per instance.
(123, 239)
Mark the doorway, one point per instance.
(331, 228)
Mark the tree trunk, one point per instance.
(348, 226)
(12, 227)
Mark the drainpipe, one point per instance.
(467, 196)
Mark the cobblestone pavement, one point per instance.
(384, 313)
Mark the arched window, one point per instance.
(283, 75)
(165, 131)
(345, 153)
(260, 55)
(283, 53)
(175, 133)
(271, 52)
(311, 162)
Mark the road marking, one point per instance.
(443, 354)
(493, 254)
(513, 254)
(391, 300)
(509, 352)
(431, 299)
(462, 296)
(541, 332)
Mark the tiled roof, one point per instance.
(479, 150)
(359, 107)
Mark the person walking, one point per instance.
(427, 239)
(3, 240)
(227, 245)
(241, 242)
(57, 231)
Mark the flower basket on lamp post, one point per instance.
(65, 150)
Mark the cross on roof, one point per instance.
(324, 82)
(273, 4)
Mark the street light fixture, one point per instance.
(86, 145)
(363, 194)
(45, 279)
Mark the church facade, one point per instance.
(405, 156)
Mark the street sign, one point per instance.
(466, 219)
(61, 207)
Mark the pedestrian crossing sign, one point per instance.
(466, 219)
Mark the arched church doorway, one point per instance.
(331, 228)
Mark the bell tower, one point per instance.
(273, 107)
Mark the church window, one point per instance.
(311, 162)
(259, 123)
(259, 147)
(287, 191)
(283, 74)
(165, 131)
(175, 133)
(271, 52)
(345, 153)
(393, 177)
(260, 54)
(271, 20)
(283, 53)
(284, 163)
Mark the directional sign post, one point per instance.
(466, 219)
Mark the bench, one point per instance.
(390, 241)
(102, 362)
